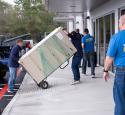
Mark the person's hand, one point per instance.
(106, 76)
(21, 68)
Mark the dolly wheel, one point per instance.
(44, 85)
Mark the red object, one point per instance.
(3, 91)
(28, 45)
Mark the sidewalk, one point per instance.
(90, 97)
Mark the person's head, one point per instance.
(73, 33)
(86, 31)
(122, 22)
(77, 30)
(19, 42)
(28, 45)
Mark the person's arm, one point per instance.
(83, 45)
(14, 53)
(65, 32)
(71, 36)
(107, 65)
(83, 42)
(111, 53)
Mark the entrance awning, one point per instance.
(69, 7)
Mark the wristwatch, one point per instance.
(105, 71)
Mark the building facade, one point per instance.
(104, 23)
(101, 17)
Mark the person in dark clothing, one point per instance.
(80, 37)
(76, 40)
(13, 64)
(78, 31)
(89, 65)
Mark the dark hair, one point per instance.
(19, 40)
(86, 30)
(73, 33)
(77, 30)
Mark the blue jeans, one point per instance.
(119, 92)
(12, 78)
(75, 67)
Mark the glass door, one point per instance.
(103, 29)
(97, 45)
(101, 41)
(109, 31)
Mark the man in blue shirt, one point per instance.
(88, 51)
(116, 52)
(13, 64)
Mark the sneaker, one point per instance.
(10, 91)
(75, 82)
(93, 76)
(15, 89)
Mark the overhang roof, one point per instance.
(68, 7)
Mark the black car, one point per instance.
(4, 56)
(3, 70)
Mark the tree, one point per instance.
(4, 13)
(27, 16)
(31, 17)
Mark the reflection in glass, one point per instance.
(104, 28)
(101, 41)
(123, 12)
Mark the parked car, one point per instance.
(4, 56)
(3, 70)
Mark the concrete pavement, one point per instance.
(90, 97)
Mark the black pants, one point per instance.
(89, 56)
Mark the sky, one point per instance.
(9, 1)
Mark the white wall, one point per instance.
(79, 23)
(89, 23)
(70, 25)
(111, 6)
(76, 23)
